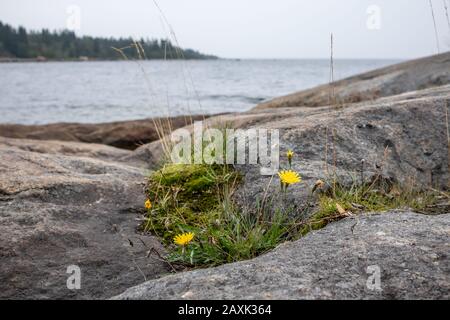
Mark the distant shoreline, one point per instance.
(23, 60)
(19, 60)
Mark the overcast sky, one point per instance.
(253, 28)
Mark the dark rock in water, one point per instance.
(62, 210)
(385, 256)
(400, 78)
(125, 135)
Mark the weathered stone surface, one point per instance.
(71, 149)
(411, 250)
(58, 210)
(409, 76)
(71, 203)
(403, 138)
(124, 134)
(147, 157)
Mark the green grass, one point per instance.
(381, 195)
(197, 198)
(377, 196)
(233, 237)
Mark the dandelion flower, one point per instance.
(148, 204)
(290, 154)
(289, 177)
(183, 239)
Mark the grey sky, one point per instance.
(254, 28)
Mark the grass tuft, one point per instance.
(339, 201)
(198, 199)
(193, 213)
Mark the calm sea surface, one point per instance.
(38, 93)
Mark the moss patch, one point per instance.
(186, 197)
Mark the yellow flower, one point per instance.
(290, 154)
(183, 239)
(148, 204)
(289, 177)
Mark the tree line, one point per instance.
(65, 45)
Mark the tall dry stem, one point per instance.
(332, 98)
(326, 153)
(448, 142)
(333, 132)
(446, 13)
(435, 27)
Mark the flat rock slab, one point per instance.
(411, 251)
(123, 134)
(59, 210)
(72, 149)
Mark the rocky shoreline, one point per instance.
(72, 194)
(122, 134)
